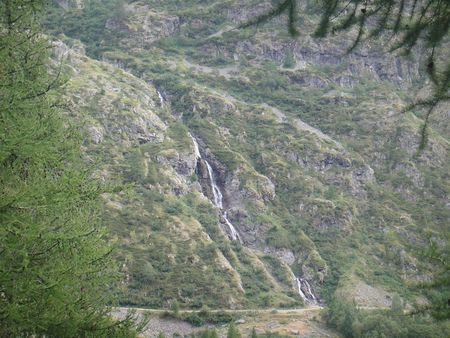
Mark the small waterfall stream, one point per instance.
(302, 285)
(299, 289)
(161, 98)
(304, 290)
(196, 148)
(217, 194)
(310, 294)
(234, 234)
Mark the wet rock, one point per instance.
(204, 180)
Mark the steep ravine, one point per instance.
(301, 284)
(217, 196)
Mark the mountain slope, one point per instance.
(316, 162)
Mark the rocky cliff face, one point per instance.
(315, 161)
(143, 26)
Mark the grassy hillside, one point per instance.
(317, 161)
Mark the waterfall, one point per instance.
(217, 194)
(234, 234)
(304, 289)
(196, 148)
(308, 289)
(299, 289)
(161, 98)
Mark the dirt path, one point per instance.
(284, 321)
(300, 322)
(290, 311)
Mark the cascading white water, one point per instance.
(299, 289)
(234, 234)
(217, 194)
(303, 285)
(196, 148)
(308, 290)
(161, 98)
(218, 202)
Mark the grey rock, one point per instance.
(283, 254)
(96, 134)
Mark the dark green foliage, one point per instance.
(351, 322)
(136, 170)
(270, 335)
(210, 333)
(342, 315)
(397, 305)
(209, 317)
(88, 24)
(175, 308)
(233, 332)
(203, 317)
(57, 275)
(439, 288)
(194, 319)
(289, 60)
